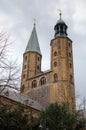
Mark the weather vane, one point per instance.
(34, 22)
(60, 13)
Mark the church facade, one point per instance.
(56, 84)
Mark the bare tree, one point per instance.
(9, 70)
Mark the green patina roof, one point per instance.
(33, 44)
(60, 21)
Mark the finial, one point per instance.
(60, 13)
(34, 22)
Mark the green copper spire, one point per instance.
(33, 44)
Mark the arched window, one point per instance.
(70, 65)
(57, 29)
(7, 93)
(24, 66)
(34, 84)
(55, 53)
(55, 64)
(42, 81)
(61, 29)
(38, 58)
(55, 77)
(70, 54)
(69, 44)
(25, 58)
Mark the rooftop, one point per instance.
(33, 44)
(14, 96)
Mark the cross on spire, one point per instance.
(34, 22)
(60, 13)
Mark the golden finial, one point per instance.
(60, 13)
(34, 22)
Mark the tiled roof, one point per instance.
(12, 95)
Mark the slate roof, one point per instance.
(14, 96)
(33, 44)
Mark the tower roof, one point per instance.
(33, 44)
(60, 21)
(60, 28)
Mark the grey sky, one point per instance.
(16, 17)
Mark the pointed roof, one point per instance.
(33, 44)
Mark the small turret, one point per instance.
(60, 28)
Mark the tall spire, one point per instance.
(33, 44)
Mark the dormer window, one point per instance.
(7, 93)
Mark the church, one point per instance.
(56, 84)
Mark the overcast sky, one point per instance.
(16, 18)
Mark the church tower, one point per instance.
(57, 83)
(31, 60)
(62, 77)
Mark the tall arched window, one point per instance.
(24, 66)
(70, 64)
(61, 29)
(42, 81)
(38, 67)
(25, 58)
(38, 58)
(55, 77)
(70, 54)
(34, 84)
